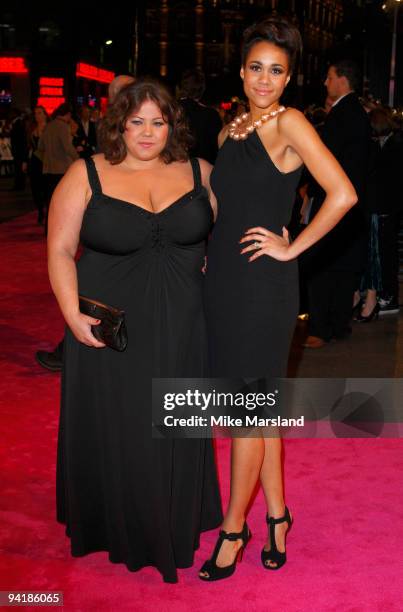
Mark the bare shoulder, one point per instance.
(77, 171)
(75, 182)
(205, 166)
(99, 159)
(205, 171)
(73, 191)
(295, 128)
(291, 118)
(222, 136)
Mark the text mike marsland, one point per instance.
(227, 421)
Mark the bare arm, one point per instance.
(340, 194)
(206, 168)
(66, 212)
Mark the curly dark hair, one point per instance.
(277, 30)
(127, 101)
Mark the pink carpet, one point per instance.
(344, 550)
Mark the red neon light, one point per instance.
(50, 82)
(51, 91)
(93, 73)
(16, 65)
(50, 103)
(103, 105)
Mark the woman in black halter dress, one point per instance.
(251, 282)
(145, 501)
(251, 307)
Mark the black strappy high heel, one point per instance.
(218, 573)
(274, 554)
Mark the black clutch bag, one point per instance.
(112, 328)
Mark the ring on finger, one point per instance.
(257, 245)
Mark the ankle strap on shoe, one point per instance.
(230, 536)
(235, 536)
(270, 520)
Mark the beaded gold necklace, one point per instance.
(242, 135)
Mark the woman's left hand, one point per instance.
(267, 243)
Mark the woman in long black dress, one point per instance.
(142, 213)
(252, 283)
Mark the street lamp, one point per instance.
(102, 50)
(393, 56)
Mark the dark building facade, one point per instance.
(164, 37)
(207, 33)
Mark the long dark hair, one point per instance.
(33, 124)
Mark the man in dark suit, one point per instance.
(337, 259)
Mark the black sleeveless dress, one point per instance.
(143, 500)
(251, 307)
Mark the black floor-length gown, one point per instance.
(143, 500)
(251, 307)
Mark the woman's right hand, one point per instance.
(80, 325)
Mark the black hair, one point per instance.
(349, 69)
(277, 30)
(61, 110)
